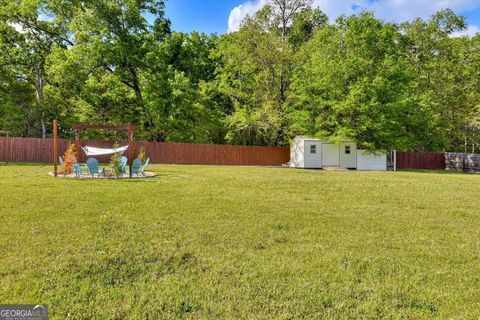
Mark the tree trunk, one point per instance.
(38, 70)
(44, 130)
(148, 125)
(136, 86)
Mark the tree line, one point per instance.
(287, 71)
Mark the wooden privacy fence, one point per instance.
(421, 160)
(5, 149)
(41, 150)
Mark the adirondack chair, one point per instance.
(92, 165)
(123, 164)
(136, 166)
(77, 170)
(142, 168)
(83, 166)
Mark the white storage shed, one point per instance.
(316, 154)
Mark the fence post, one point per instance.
(394, 160)
(8, 151)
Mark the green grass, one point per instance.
(242, 242)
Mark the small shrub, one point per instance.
(115, 162)
(68, 159)
(142, 155)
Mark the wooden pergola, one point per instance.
(130, 128)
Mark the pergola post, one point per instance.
(55, 147)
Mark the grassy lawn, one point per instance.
(242, 242)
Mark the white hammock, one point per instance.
(91, 151)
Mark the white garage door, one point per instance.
(330, 155)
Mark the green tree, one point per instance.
(304, 25)
(176, 94)
(27, 35)
(112, 39)
(255, 73)
(446, 83)
(354, 82)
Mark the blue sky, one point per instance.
(222, 15)
(200, 15)
(473, 17)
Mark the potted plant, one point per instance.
(142, 155)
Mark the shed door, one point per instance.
(313, 155)
(348, 155)
(330, 155)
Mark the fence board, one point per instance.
(41, 150)
(421, 160)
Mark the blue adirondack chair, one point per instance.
(136, 165)
(77, 170)
(142, 168)
(92, 165)
(123, 164)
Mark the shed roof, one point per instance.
(323, 140)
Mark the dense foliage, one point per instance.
(288, 71)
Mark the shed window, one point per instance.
(347, 150)
(313, 148)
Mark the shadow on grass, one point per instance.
(122, 180)
(134, 179)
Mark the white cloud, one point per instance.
(333, 8)
(389, 10)
(242, 11)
